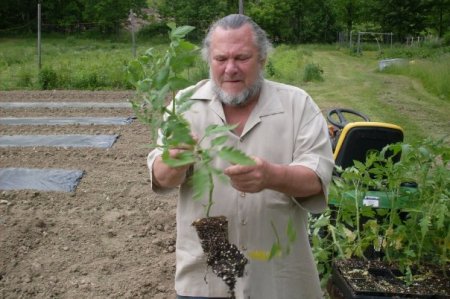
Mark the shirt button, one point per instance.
(243, 222)
(242, 194)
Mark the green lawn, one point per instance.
(355, 82)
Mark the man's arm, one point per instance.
(166, 176)
(296, 180)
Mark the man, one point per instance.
(283, 130)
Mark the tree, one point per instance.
(109, 14)
(438, 16)
(294, 21)
(61, 15)
(17, 15)
(64, 15)
(349, 12)
(196, 13)
(401, 17)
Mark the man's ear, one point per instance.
(263, 62)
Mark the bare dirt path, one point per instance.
(111, 238)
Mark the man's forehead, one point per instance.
(226, 38)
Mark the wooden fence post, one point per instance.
(133, 38)
(39, 36)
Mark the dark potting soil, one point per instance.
(224, 258)
(375, 278)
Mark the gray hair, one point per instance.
(236, 21)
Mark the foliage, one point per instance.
(67, 16)
(434, 73)
(197, 13)
(278, 248)
(157, 78)
(312, 72)
(401, 17)
(286, 64)
(294, 21)
(287, 21)
(48, 79)
(413, 230)
(109, 14)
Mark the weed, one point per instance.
(48, 79)
(312, 72)
(25, 78)
(270, 69)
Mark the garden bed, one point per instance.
(359, 279)
(112, 237)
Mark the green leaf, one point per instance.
(182, 159)
(275, 251)
(186, 46)
(162, 93)
(219, 141)
(144, 85)
(235, 156)
(201, 182)
(162, 76)
(424, 224)
(216, 129)
(180, 32)
(171, 25)
(359, 165)
(322, 221)
(135, 71)
(177, 83)
(291, 232)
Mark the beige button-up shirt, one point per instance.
(286, 127)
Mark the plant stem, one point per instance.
(210, 194)
(358, 220)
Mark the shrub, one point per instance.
(287, 62)
(47, 78)
(270, 69)
(446, 39)
(312, 72)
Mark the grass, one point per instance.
(355, 82)
(416, 96)
(77, 62)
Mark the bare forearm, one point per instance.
(165, 176)
(297, 181)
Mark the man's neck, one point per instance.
(238, 115)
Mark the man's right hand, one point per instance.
(166, 176)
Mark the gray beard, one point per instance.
(240, 99)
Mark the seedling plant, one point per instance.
(157, 79)
(412, 232)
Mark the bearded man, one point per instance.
(283, 130)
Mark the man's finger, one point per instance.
(238, 169)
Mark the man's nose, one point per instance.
(231, 67)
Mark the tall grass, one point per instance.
(67, 63)
(434, 73)
(286, 64)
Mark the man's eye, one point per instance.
(220, 59)
(243, 58)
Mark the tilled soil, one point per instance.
(111, 238)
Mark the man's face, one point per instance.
(235, 66)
